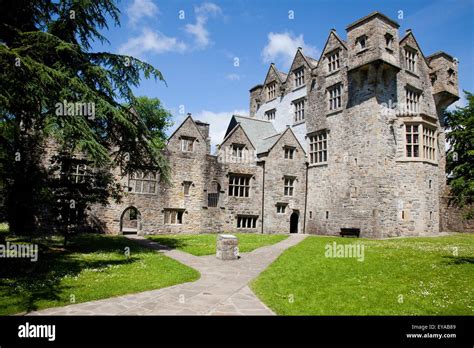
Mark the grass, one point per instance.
(409, 276)
(205, 244)
(93, 267)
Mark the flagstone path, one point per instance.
(221, 290)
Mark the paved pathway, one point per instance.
(221, 290)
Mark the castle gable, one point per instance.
(187, 138)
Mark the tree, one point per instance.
(52, 86)
(460, 156)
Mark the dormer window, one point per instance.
(299, 77)
(333, 61)
(271, 91)
(361, 42)
(410, 59)
(389, 41)
(187, 144)
(238, 151)
(289, 152)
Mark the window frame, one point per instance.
(427, 144)
(299, 77)
(289, 152)
(143, 179)
(272, 113)
(247, 222)
(187, 140)
(289, 186)
(318, 147)
(334, 60)
(173, 216)
(299, 106)
(271, 90)
(335, 97)
(411, 59)
(239, 185)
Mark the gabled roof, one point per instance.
(258, 131)
(332, 33)
(418, 47)
(281, 76)
(185, 120)
(276, 140)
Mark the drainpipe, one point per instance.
(263, 195)
(305, 198)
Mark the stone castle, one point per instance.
(352, 140)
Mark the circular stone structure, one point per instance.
(227, 247)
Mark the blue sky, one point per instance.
(197, 43)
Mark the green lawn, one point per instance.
(409, 276)
(93, 267)
(205, 244)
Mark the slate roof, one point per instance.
(261, 133)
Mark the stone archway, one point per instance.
(294, 219)
(130, 221)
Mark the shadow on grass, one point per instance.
(458, 260)
(23, 284)
(172, 243)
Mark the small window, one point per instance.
(271, 91)
(410, 59)
(79, 173)
(318, 152)
(333, 61)
(187, 144)
(247, 222)
(173, 217)
(239, 185)
(186, 187)
(361, 42)
(238, 151)
(270, 114)
(451, 73)
(289, 186)
(299, 110)
(335, 100)
(327, 215)
(289, 152)
(281, 208)
(310, 214)
(412, 101)
(299, 77)
(389, 41)
(429, 183)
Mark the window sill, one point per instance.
(332, 73)
(298, 88)
(143, 193)
(362, 50)
(298, 123)
(417, 160)
(334, 112)
(412, 73)
(324, 164)
(268, 101)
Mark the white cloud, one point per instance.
(151, 42)
(281, 48)
(218, 123)
(139, 9)
(199, 31)
(233, 77)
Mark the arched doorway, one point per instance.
(130, 222)
(294, 218)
